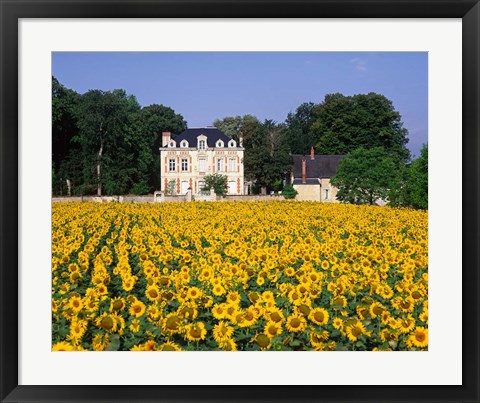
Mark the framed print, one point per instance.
(358, 317)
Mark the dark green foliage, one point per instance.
(104, 142)
(289, 192)
(365, 176)
(346, 123)
(417, 185)
(299, 128)
(216, 181)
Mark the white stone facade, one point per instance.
(196, 154)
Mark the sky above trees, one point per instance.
(205, 86)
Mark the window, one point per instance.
(171, 144)
(201, 145)
(171, 165)
(184, 165)
(184, 144)
(326, 193)
(220, 164)
(201, 165)
(219, 143)
(232, 143)
(232, 165)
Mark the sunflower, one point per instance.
(75, 303)
(137, 308)
(228, 345)
(222, 331)
(249, 317)
(423, 316)
(262, 340)
(296, 323)
(318, 339)
(152, 293)
(218, 290)
(169, 346)
(319, 316)
(275, 315)
(272, 329)
(135, 326)
(355, 330)
(100, 341)
(233, 298)
(172, 323)
(102, 289)
(337, 323)
(419, 337)
(63, 346)
(194, 293)
(195, 331)
(117, 304)
(78, 328)
(388, 335)
(107, 322)
(406, 325)
(376, 309)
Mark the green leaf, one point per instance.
(114, 343)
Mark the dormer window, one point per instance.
(232, 143)
(171, 144)
(202, 144)
(219, 144)
(184, 144)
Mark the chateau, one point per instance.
(196, 153)
(311, 176)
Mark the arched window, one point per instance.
(219, 143)
(184, 144)
(232, 143)
(172, 144)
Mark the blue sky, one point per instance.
(204, 86)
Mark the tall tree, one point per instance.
(151, 121)
(299, 128)
(64, 129)
(366, 176)
(107, 137)
(237, 127)
(417, 185)
(345, 123)
(266, 154)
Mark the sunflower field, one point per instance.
(277, 275)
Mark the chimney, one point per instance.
(166, 136)
(304, 171)
(312, 154)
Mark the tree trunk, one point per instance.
(69, 187)
(99, 162)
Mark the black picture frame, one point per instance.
(12, 10)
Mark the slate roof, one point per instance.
(309, 181)
(322, 166)
(212, 133)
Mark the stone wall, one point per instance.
(307, 192)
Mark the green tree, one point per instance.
(151, 121)
(115, 156)
(365, 176)
(289, 192)
(64, 129)
(299, 128)
(217, 182)
(345, 123)
(237, 127)
(267, 158)
(417, 183)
